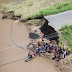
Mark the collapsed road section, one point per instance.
(58, 20)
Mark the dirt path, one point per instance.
(14, 38)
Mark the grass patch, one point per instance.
(60, 40)
(36, 22)
(30, 9)
(67, 34)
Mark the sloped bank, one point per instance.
(10, 15)
(65, 65)
(41, 27)
(47, 31)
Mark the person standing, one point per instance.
(64, 53)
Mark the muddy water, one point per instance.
(4, 1)
(7, 1)
(14, 38)
(36, 65)
(12, 32)
(12, 56)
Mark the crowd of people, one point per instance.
(59, 51)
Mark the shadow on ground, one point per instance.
(49, 31)
(34, 36)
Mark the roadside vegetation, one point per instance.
(30, 9)
(36, 22)
(67, 34)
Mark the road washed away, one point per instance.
(58, 20)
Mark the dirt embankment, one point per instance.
(65, 65)
(10, 15)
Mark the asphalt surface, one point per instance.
(61, 19)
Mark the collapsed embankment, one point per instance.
(39, 22)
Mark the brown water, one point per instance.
(4, 1)
(13, 42)
(7, 1)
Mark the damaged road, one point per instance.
(58, 20)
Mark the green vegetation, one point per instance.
(67, 34)
(36, 22)
(60, 40)
(30, 9)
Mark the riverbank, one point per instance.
(30, 9)
(64, 65)
(14, 37)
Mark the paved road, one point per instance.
(59, 20)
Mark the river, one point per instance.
(7, 1)
(14, 37)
